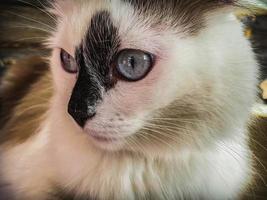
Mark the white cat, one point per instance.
(149, 100)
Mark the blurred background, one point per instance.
(24, 26)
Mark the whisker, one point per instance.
(48, 13)
(157, 138)
(31, 27)
(172, 126)
(42, 10)
(169, 133)
(31, 38)
(259, 144)
(233, 153)
(176, 130)
(263, 166)
(135, 143)
(32, 20)
(30, 109)
(178, 120)
(230, 151)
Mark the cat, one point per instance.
(142, 100)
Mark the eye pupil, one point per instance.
(131, 62)
(133, 65)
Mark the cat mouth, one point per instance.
(104, 139)
(108, 143)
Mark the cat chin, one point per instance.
(106, 144)
(105, 141)
(118, 147)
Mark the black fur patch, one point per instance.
(94, 58)
(178, 13)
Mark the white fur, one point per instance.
(218, 57)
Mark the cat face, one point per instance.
(141, 75)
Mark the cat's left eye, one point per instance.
(68, 62)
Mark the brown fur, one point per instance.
(188, 14)
(25, 92)
(187, 116)
(258, 143)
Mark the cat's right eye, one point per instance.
(134, 64)
(68, 62)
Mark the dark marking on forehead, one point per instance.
(94, 57)
(100, 46)
(188, 14)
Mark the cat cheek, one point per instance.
(139, 96)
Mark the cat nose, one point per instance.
(85, 96)
(81, 114)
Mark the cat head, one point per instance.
(149, 76)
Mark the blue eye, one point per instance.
(134, 65)
(68, 62)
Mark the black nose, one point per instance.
(81, 114)
(86, 94)
(84, 99)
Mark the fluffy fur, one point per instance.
(180, 132)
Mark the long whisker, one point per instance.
(30, 109)
(48, 13)
(259, 144)
(178, 120)
(168, 125)
(42, 10)
(157, 138)
(131, 141)
(230, 151)
(30, 122)
(32, 20)
(31, 27)
(173, 129)
(31, 38)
